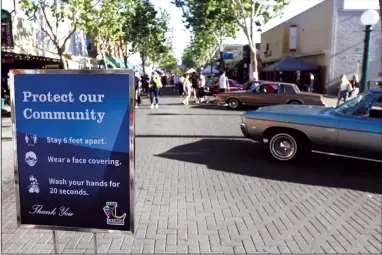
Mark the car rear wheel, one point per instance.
(284, 147)
(294, 102)
(233, 103)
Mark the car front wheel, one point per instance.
(233, 103)
(284, 147)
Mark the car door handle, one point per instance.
(331, 129)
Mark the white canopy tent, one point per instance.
(192, 70)
(207, 70)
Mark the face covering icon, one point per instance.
(31, 158)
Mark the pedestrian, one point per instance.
(223, 83)
(137, 84)
(155, 86)
(203, 95)
(181, 85)
(311, 84)
(176, 83)
(187, 88)
(196, 87)
(344, 88)
(356, 85)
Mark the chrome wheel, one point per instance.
(233, 103)
(283, 147)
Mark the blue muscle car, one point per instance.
(353, 129)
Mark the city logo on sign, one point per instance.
(110, 211)
(31, 140)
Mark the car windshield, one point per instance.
(365, 100)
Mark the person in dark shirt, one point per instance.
(137, 83)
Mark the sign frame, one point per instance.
(131, 131)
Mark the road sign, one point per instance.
(74, 149)
(358, 52)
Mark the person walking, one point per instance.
(344, 88)
(203, 95)
(155, 86)
(356, 85)
(181, 85)
(187, 89)
(176, 83)
(223, 83)
(137, 82)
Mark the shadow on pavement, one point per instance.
(248, 158)
(190, 136)
(223, 108)
(192, 114)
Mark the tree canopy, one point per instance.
(59, 19)
(223, 18)
(146, 29)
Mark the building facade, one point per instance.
(329, 35)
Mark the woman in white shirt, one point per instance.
(343, 89)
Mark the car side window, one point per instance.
(285, 89)
(267, 89)
(376, 109)
(370, 108)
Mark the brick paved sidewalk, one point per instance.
(202, 188)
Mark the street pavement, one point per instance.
(201, 187)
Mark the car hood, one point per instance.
(289, 109)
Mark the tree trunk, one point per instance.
(125, 60)
(143, 65)
(222, 65)
(62, 62)
(255, 66)
(104, 59)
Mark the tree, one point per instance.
(168, 62)
(62, 18)
(252, 15)
(146, 30)
(201, 50)
(105, 26)
(209, 17)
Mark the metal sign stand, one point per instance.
(56, 247)
(55, 243)
(95, 243)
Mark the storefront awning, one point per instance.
(290, 64)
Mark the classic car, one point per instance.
(353, 129)
(214, 89)
(269, 93)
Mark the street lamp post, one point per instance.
(369, 18)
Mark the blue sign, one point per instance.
(227, 55)
(74, 134)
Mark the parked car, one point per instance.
(269, 93)
(214, 88)
(353, 129)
